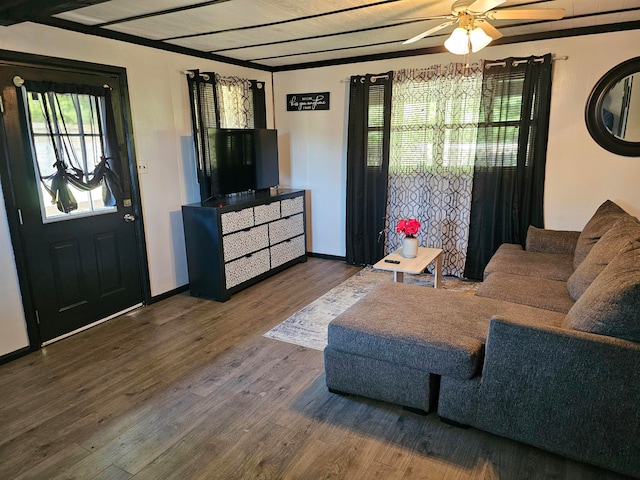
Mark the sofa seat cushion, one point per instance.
(436, 331)
(535, 292)
(625, 230)
(605, 217)
(611, 304)
(510, 258)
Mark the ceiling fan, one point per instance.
(474, 32)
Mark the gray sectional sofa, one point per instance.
(547, 352)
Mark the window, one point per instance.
(375, 126)
(434, 121)
(498, 136)
(67, 143)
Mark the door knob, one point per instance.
(128, 217)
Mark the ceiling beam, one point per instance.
(17, 11)
(124, 37)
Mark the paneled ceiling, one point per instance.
(287, 34)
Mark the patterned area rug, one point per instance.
(308, 327)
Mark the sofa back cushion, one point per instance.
(602, 220)
(625, 230)
(611, 304)
(551, 241)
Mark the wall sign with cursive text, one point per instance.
(297, 102)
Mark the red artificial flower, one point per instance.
(408, 227)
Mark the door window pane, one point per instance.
(66, 141)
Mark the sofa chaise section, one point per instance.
(390, 344)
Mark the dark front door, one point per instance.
(79, 246)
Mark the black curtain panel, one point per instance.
(259, 104)
(509, 172)
(367, 167)
(204, 115)
(113, 176)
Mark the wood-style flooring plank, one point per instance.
(189, 388)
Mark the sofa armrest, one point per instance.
(571, 392)
(551, 241)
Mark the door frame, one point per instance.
(18, 59)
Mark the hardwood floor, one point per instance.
(189, 389)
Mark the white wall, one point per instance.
(580, 174)
(162, 135)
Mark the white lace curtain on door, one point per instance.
(434, 121)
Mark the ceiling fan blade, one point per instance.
(527, 14)
(420, 19)
(429, 32)
(489, 29)
(481, 6)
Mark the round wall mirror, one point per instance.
(613, 109)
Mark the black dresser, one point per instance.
(242, 239)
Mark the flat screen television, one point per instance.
(242, 160)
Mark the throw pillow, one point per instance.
(625, 230)
(602, 220)
(611, 304)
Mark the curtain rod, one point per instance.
(191, 74)
(518, 62)
(487, 65)
(373, 78)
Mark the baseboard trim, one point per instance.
(169, 294)
(9, 357)
(324, 256)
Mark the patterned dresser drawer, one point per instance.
(239, 244)
(287, 251)
(234, 221)
(291, 206)
(266, 213)
(246, 268)
(231, 244)
(280, 230)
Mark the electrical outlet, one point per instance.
(142, 168)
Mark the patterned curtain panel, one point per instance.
(434, 120)
(235, 102)
(259, 104)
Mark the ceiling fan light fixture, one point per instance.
(458, 42)
(479, 39)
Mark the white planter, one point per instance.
(410, 247)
